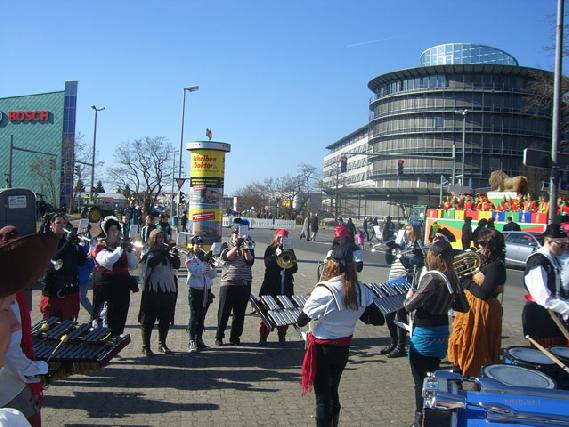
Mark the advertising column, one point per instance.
(207, 170)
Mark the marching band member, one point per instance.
(476, 336)
(200, 280)
(235, 286)
(430, 304)
(343, 236)
(413, 261)
(159, 291)
(543, 283)
(112, 282)
(20, 272)
(60, 294)
(336, 302)
(277, 281)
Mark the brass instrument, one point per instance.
(83, 240)
(127, 244)
(466, 264)
(287, 259)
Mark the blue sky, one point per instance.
(278, 80)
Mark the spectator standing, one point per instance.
(150, 225)
(481, 225)
(314, 224)
(132, 214)
(165, 227)
(466, 233)
(511, 225)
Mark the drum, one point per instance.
(562, 353)
(530, 358)
(448, 404)
(511, 375)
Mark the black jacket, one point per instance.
(65, 280)
(512, 226)
(272, 282)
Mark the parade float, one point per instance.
(508, 198)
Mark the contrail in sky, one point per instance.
(370, 42)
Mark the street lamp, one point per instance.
(464, 113)
(93, 155)
(186, 89)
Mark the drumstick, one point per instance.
(559, 324)
(547, 353)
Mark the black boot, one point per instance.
(146, 334)
(163, 334)
(388, 348)
(336, 419)
(282, 337)
(418, 419)
(262, 339)
(323, 422)
(399, 351)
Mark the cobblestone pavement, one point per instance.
(238, 386)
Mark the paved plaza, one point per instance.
(246, 385)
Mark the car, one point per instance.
(520, 245)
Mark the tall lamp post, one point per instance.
(186, 89)
(93, 155)
(464, 113)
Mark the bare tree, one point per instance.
(143, 166)
(46, 175)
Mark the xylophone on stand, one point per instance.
(70, 348)
(389, 297)
(279, 311)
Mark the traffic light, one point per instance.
(52, 164)
(400, 164)
(181, 198)
(343, 164)
(78, 170)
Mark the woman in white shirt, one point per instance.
(337, 302)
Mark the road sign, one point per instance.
(180, 182)
(542, 159)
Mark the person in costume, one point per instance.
(20, 390)
(159, 291)
(60, 294)
(277, 281)
(337, 302)
(201, 273)
(542, 280)
(235, 287)
(112, 282)
(430, 304)
(344, 236)
(476, 336)
(412, 260)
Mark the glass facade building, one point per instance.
(465, 53)
(41, 130)
(423, 111)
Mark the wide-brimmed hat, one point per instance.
(24, 260)
(555, 232)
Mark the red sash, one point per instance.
(310, 365)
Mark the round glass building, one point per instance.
(465, 53)
(477, 96)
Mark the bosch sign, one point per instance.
(28, 116)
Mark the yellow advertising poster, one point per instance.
(207, 163)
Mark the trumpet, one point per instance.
(127, 244)
(83, 240)
(466, 264)
(287, 259)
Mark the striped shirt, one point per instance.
(236, 271)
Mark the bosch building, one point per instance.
(464, 98)
(37, 141)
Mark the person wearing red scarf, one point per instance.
(336, 302)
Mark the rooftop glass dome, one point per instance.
(465, 53)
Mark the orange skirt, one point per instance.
(476, 336)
